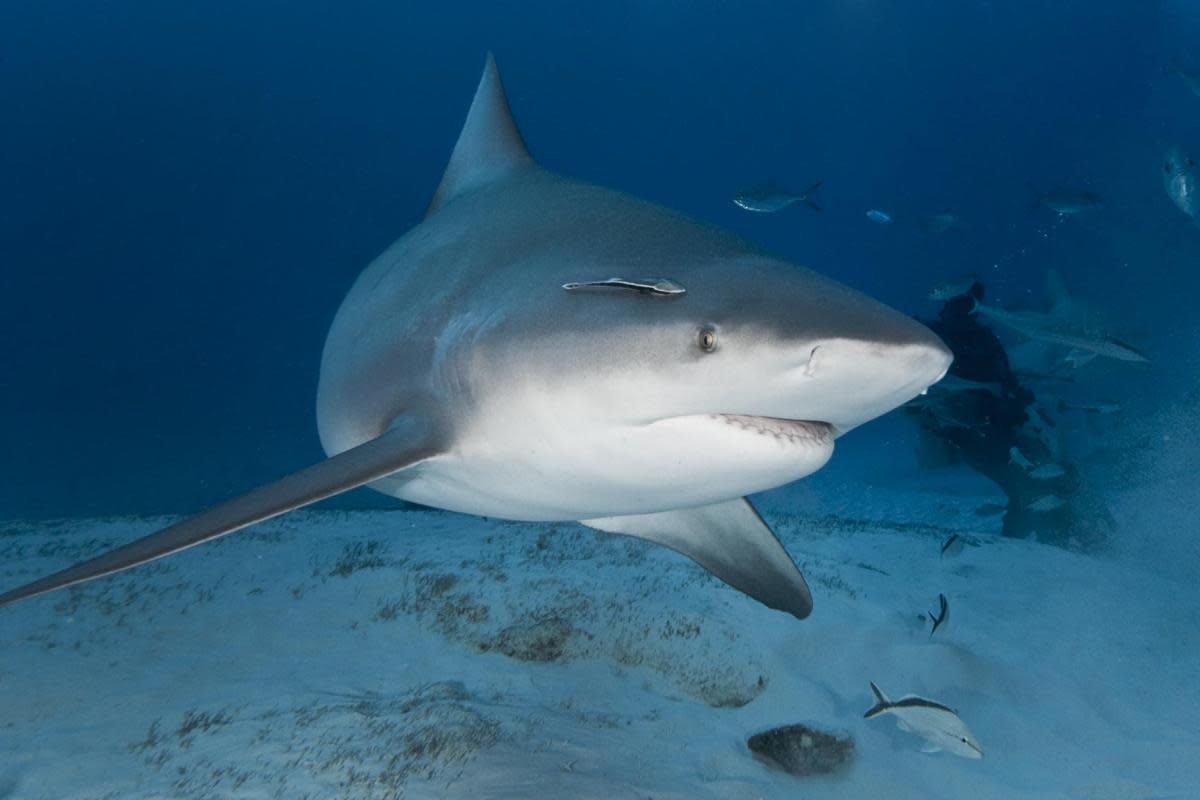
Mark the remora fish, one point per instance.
(487, 363)
(938, 725)
(953, 287)
(1065, 200)
(1179, 179)
(771, 197)
(943, 615)
(1047, 328)
(882, 217)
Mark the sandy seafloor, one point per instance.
(427, 654)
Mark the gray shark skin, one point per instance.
(543, 349)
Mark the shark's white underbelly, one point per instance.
(582, 474)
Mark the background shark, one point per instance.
(462, 374)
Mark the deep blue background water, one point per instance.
(190, 189)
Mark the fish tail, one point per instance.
(881, 703)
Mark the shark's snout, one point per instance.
(847, 381)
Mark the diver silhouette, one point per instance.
(995, 425)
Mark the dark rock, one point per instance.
(801, 750)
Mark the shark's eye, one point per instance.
(707, 339)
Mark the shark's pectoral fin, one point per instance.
(731, 541)
(391, 452)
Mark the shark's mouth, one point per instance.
(797, 431)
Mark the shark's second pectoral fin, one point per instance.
(731, 541)
(393, 451)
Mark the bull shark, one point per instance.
(489, 362)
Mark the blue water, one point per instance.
(189, 189)
(187, 192)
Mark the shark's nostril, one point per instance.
(811, 368)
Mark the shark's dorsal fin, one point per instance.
(489, 147)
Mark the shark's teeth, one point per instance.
(791, 430)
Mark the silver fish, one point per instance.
(770, 197)
(1179, 179)
(937, 724)
(882, 217)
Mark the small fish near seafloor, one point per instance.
(938, 725)
(942, 617)
(952, 546)
(882, 217)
